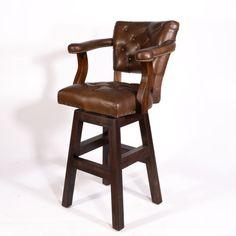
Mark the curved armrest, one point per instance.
(81, 50)
(89, 45)
(149, 54)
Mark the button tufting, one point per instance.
(132, 37)
(125, 28)
(114, 99)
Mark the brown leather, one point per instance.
(140, 47)
(149, 54)
(112, 99)
(130, 37)
(89, 45)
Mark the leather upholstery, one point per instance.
(129, 37)
(140, 47)
(149, 54)
(89, 45)
(112, 99)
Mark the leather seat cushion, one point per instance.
(114, 99)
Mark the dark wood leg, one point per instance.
(116, 176)
(151, 161)
(71, 169)
(105, 157)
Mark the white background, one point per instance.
(193, 127)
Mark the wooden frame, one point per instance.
(116, 156)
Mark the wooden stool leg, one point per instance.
(151, 162)
(116, 176)
(71, 170)
(105, 157)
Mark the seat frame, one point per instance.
(116, 156)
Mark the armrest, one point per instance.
(89, 45)
(144, 91)
(149, 54)
(81, 50)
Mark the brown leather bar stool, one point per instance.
(139, 47)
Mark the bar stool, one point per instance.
(138, 47)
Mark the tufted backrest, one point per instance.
(131, 36)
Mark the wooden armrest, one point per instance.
(89, 45)
(81, 50)
(144, 90)
(149, 54)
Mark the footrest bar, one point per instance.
(92, 143)
(91, 167)
(134, 155)
(125, 148)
